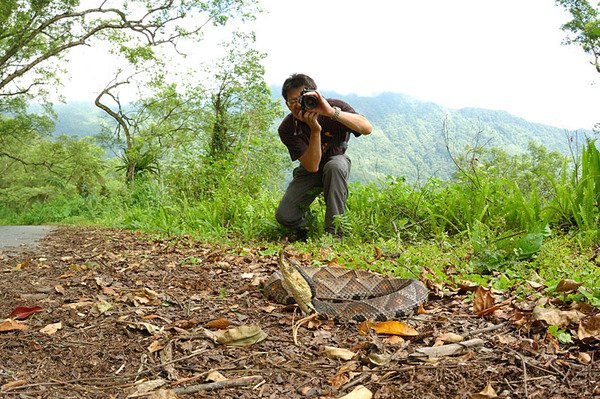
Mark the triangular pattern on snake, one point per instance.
(350, 294)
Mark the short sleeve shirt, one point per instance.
(334, 135)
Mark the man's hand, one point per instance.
(310, 118)
(323, 107)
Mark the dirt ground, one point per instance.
(98, 313)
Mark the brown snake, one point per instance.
(347, 294)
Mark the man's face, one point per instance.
(292, 100)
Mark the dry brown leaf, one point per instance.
(163, 394)
(567, 285)
(338, 353)
(60, 289)
(155, 346)
(102, 306)
(22, 265)
(307, 390)
(268, 309)
(589, 327)
(483, 300)
(394, 340)
(555, 317)
(218, 324)
(13, 384)
(360, 392)
(151, 328)
(186, 324)
(488, 392)
(109, 291)
(364, 327)
(76, 305)
(215, 376)
(51, 329)
(344, 374)
(379, 359)
(339, 379)
(584, 358)
(146, 296)
(394, 327)
(333, 263)
(448, 337)
(239, 336)
(12, 325)
(378, 252)
(146, 387)
(535, 285)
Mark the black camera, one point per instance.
(307, 102)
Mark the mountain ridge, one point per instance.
(408, 136)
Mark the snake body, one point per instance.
(350, 294)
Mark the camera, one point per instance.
(307, 102)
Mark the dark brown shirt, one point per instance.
(334, 135)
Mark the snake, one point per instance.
(343, 293)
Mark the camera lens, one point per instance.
(307, 102)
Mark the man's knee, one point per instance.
(282, 216)
(337, 167)
(288, 217)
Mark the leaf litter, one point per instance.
(108, 313)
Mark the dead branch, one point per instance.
(211, 386)
(446, 350)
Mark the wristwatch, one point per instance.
(337, 113)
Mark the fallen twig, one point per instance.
(299, 323)
(354, 382)
(446, 350)
(492, 327)
(231, 383)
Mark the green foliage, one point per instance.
(561, 335)
(35, 33)
(408, 139)
(480, 226)
(63, 165)
(575, 205)
(584, 28)
(240, 100)
(494, 253)
(143, 161)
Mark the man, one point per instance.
(316, 133)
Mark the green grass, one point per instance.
(499, 223)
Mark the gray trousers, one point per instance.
(331, 179)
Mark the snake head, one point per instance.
(297, 283)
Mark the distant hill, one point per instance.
(407, 140)
(408, 137)
(78, 119)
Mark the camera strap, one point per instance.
(344, 143)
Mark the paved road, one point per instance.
(19, 238)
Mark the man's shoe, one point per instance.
(298, 235)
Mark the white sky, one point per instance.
(496, 54)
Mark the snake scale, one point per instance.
(349, 294)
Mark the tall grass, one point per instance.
(575, 206)
(502, 219)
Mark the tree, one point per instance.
(584, 29)
(145, 128)
(36, 36)
(35, 32)
(241, 103)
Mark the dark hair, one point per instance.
(295, 81)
